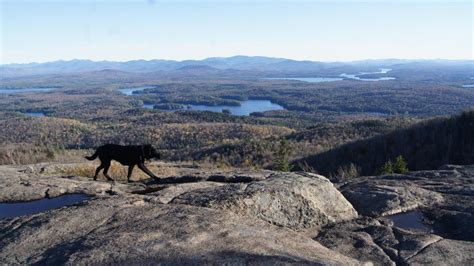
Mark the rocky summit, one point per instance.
(245, 217)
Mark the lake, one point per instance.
(9, 210)
(245, 108)
(352, 76)
(411, 220)
(356, 76)
(342, 76)
(129, 91)
(468, 85)
(313, 80)
(35, 114)
(10, 91)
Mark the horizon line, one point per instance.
(227, 57)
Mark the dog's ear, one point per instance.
(151, 151)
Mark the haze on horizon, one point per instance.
(42, 31)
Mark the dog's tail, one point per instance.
(92, 157)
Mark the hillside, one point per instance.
(426, 145)
(263, 152)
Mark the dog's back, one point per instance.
(126, 155)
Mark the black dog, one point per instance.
(126, 155)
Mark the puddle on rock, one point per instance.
(411, 220)
(10, 210)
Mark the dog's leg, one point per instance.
(148, 172)
(106, 169)
(130, 170)
(101, 166)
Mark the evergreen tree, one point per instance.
(282, 162)
(386, 169)
(400, 166)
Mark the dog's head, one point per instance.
(151, 152)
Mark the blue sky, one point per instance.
(39, 31)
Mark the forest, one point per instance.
(429, 144)
(318, 120)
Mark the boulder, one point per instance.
(385, 195)
(294, 200)
(166, 194)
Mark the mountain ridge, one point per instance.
(238, 62)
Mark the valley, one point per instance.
(221, 112)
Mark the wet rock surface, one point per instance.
(10, 210)
(445, 197)
(434, 211)
(242, 218)
(18, 184)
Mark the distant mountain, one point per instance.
(196, 67)
(241, 62)
(273, 66)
